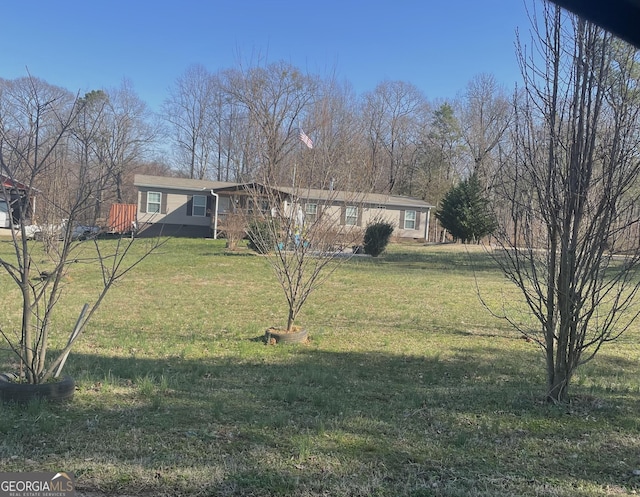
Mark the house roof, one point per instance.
(194, 185)
(8, 182)
(367, 198)
(621, 17)
(186, 184)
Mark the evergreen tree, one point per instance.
(465, 211)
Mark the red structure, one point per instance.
(122, 218)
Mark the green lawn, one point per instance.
(408, 387)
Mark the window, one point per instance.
(258, 206)
(199, 206)
(153, 202)
(351, 215)
(311, 212)
(410, 220)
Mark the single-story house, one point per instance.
(189, 207)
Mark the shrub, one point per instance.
(262, 236)
(235, 228)
(376, 237)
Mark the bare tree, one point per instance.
(190, 110)
(229, 132)
(484, 117)
(339, 147)
(88, 146)
(306, 230)
(275, 99)
(566, 243)
(36, 123)
(303, 234)
(34, 120)
(128, 135)
(395, 112)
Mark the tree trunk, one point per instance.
(291, 319)
(558, 385)
(26, 350)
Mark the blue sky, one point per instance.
(437, 46)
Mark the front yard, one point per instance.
(407, 387)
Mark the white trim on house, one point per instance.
(410, 217)
(351, 215)
(154, 202)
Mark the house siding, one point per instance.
(175, 203)
(176, 209)
(395, 216)
(174, 218)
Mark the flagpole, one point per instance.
(295, 166)
(295, 161)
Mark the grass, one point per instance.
(408, 387)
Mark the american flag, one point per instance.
(305, 139)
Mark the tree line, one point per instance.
(68, 146)
(241, 124)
